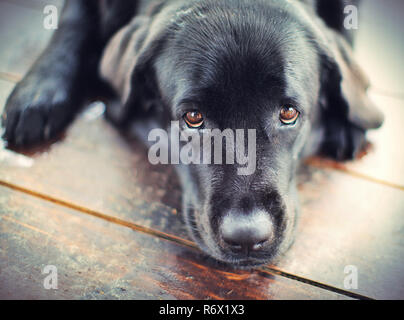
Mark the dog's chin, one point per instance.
(245, 263)
(251, 261)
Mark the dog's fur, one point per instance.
(238, 62)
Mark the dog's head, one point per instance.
(267, 66)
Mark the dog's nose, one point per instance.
(246, 232)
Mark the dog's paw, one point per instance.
(344, 141)
(36, 112)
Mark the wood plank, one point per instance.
(96, 259)
(350, 221)
(151, 183)
(105, 173)
(22, 35)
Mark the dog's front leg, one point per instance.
(46, 99)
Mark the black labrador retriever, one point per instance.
(281, 67)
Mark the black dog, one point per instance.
(283, 68)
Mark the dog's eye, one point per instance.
(289, 115)
(194, 119)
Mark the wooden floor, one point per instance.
(94, 207)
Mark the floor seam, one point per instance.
(354, 174)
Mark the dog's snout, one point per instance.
(246, 232)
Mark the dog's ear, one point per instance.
(127, 65)
(345, 86)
